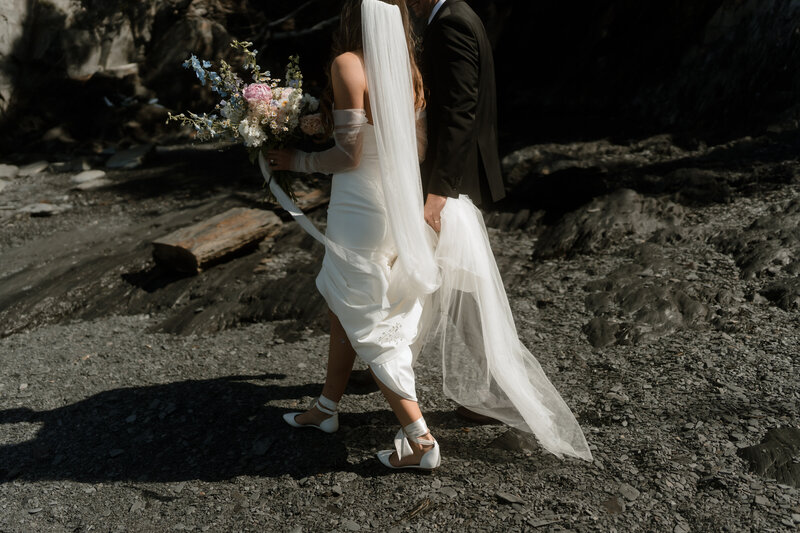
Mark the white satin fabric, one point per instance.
(370, 299)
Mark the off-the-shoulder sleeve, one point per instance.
(348, 134)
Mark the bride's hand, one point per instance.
(282, 159)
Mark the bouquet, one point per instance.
(262, 115)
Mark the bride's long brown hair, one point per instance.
(348, 38)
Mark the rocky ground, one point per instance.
(660, 295)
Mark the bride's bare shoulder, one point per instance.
(349, 67)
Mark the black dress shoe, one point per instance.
(472, 416)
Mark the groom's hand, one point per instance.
(433, 211)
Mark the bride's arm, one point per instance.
(349, 85)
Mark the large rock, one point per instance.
(8, 171)
(131, 158)
(705, 62)
(776, 456)
(645, 299)
(785, 294)
(192, 35)
(106, 36)
(606, 221)
(13, 23)
(769, 246)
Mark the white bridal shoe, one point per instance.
(325, 406)
(429, 460)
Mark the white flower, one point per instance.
(252, 134)
(310, 102)
(286, 103)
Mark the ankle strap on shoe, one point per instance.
(326, 405)
(418, 429)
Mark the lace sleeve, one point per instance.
(348, 132)
(422, 134)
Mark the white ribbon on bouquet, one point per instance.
(287, 203)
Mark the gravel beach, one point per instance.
(135, 399)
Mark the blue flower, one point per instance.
(206, 64)
(294, 84)
(194, 63)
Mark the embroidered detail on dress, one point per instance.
(391, 335)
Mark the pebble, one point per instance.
(761, 500)
(449, 491)
(44, 210)
(8, 171)
(93, 184)
(33, 168)
(614, 505)
(131, 158)
(541, 522)
(70, 166)
(437, 484)
(4, 184)
(506, 497)
(261, 447)
(630, 493)
(350, 525)
(88, 175)
(681, 528)
(115, 452)
(337, 490)
(138, 505)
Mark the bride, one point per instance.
(393, 285)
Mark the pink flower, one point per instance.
(312, 124)
(257, 92)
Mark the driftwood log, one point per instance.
(192, 248)
(308, 200)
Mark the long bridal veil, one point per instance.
(391, 93)
(485, 366)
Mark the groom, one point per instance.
(458, 71)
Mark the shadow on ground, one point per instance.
(196, 429)
(210, 430)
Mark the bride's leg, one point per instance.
(341, 357)
(406, 412)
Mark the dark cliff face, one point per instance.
(598, 68)
(565, 70)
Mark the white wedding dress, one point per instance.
(368, 296)
(398, 288)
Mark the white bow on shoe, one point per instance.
(429, 460)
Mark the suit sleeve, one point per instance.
(456, 73)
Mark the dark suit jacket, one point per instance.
(458, 71)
